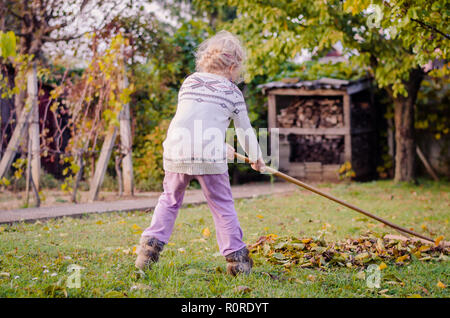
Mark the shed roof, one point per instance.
(322, 83)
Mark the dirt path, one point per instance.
(142, 201)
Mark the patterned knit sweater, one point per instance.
(195, 142)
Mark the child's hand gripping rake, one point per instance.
(328, 196)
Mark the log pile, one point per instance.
(313, 112)
(326, 149)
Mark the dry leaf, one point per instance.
(140, 286)
(136, 227)
(243, 289)
(206, 232)
(441, 285)
(438, 240)
(400, 259)
(310, 253)
(361, 275)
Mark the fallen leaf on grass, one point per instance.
(424, 290)
(272, 276)
(243, 289)
(401, 259)
(441, 285)
(114, 294)
(200, 240)
(206, 232)
(391, 279)
(438, 240)
(140, 286)
(359, 252)
(55, 291)
(136, 227)
(4, 274)
(361, 275)
(127, 251)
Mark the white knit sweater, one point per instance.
(195, 142)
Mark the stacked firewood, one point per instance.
(317, 148)
(312, 112)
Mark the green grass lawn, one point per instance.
(34, 258)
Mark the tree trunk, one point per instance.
(405, 145)
(404, 138)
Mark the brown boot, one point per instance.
(148, 252)
(239, 262)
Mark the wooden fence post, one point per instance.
(105, 154)
(33, 128)
(126, 145)
(20, 129)
(102, 163)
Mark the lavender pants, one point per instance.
(217, 191)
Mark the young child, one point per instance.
(195, 149)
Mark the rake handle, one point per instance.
(333, 198)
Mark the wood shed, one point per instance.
(322, 125)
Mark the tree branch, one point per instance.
(64, 38)
(423, 24)
(18, 16)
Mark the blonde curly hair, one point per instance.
(219, 54)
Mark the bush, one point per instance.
(148, 162)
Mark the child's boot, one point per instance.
(239, 262)
(148, 252)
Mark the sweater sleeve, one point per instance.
(244, 131)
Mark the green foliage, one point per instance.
(386, 39)
(7, 44)
(433, 112)
(314, 69)
(148, 162)
(346, 172)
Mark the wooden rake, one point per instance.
(333, 198)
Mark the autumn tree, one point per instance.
(41, 25)
(397, 41)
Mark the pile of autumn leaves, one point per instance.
(360, 252)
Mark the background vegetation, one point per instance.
(162, 54)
